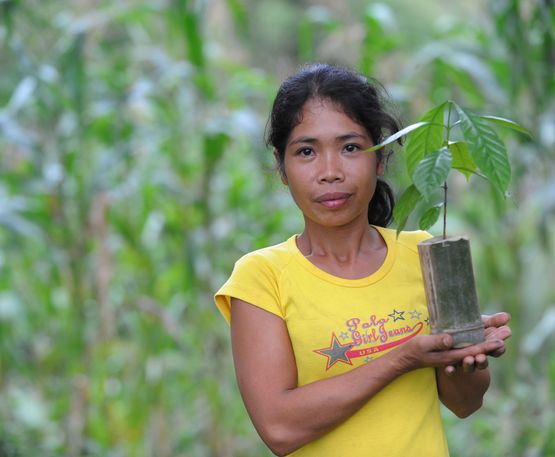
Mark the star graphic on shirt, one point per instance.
(336, 352)
(343, 335)
(397, 315)
(415, 314)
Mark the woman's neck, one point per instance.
(350, 252)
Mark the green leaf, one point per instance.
(426, 139)
(430, 217)
(240, 15)
(486, 148)
(397, 135)
(306, 40)
(195, 44)
(507, 123)
(462, 160)
(432, 171)
(214, 145)
(404, 207)
(189, 25)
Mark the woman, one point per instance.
(329, 329)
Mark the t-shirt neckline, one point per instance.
(387, 235)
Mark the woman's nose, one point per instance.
(331, 169)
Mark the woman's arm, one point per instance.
(287, 416)
(462, 389)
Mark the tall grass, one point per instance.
(133, 174)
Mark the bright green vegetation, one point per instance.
(133, 174)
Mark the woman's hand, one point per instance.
(496, 328)
(462, 385)
(437, 351)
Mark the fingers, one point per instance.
(469, 365)
(496, 329)
(467, 356)
(444, 343)
(437, 351)
(481, 361)
(431, 343)
(496, 320)
(498, 333)
(475, 357)
(488, 346)
(498, 352)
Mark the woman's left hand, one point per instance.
(495, 328)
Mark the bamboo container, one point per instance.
(450, 289)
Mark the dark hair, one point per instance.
(358, 98)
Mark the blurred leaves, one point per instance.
(133, 174)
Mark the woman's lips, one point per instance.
(333, 199)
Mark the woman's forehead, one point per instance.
(323, 117)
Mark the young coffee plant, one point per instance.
(449, 137)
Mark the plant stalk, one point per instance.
(447, 135)
(444, 210)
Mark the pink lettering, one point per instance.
(357, 339)
(352, 324)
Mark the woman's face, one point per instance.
(330, 176)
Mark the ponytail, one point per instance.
(380, 208)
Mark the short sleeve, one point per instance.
(411, 239)
(254, 280)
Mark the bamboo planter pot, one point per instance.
(450, 289)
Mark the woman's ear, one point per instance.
(380, 170)
(283, 176)
(281, 168)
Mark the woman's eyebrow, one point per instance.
(340, 138)
(303, 139)
(351, 135)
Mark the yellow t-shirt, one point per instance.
(337, 324)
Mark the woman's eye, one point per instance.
(305, 152)
(351, 148)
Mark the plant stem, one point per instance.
(448, 133)
(444, 210)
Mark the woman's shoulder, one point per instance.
(276, 256)
(255, 279)
(405, 238)
(413, 237)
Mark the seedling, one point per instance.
(431, 153)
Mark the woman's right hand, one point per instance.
(436, 351)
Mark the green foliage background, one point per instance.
(133, 174)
